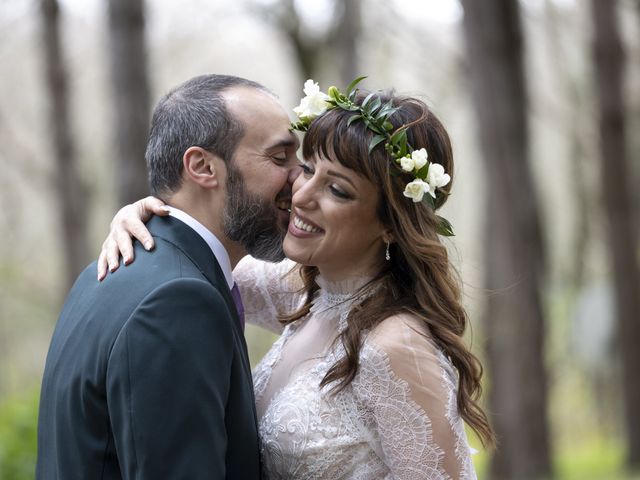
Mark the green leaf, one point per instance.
(347, 105)
(387, 110)
(375, 141)
(440, 198)
(423, 172)
(404, 148)
(300, 126)
(429, 200)
(444, 227)
(395, 138)
(353, 84)
(373, 127)
(353, 118)
(333, 92)
(399, 142)
(366, 100)
(375, 105)
(341, 104)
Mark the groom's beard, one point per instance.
(251, 221)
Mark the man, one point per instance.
(147, 375)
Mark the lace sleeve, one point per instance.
(407, 391)
(268, 290)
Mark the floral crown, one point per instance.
(429, 177)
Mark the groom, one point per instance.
(147, 375)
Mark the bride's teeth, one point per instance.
(303, 226)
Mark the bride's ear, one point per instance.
(203, 167)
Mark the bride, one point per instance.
(370, 377)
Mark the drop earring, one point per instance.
(386, 254)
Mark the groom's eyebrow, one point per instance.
(284, 143)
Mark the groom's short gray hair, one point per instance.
(192, 114)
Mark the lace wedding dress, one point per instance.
(398, 418)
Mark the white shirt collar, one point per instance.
(214, 244)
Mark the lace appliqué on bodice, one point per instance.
(398, 419)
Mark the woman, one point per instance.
(370, 377)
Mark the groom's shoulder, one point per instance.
(165, 262)
(121, 291)
(161, 280)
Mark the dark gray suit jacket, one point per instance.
(147, 375)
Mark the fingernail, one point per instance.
(166, 209)
(127, 260)
(148, 245)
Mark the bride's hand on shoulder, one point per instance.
(128, 223)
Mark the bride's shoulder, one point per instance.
(400, 347)
(400, 333)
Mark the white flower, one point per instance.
(407, 164)
(420, 158)
(416, 190)
(314, 104)
(311, 88)
(436, 178)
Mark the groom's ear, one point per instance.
(203, 167)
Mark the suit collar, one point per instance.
(221, 254)
(187, 240)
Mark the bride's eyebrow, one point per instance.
(340, 175)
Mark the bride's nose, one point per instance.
(304, 193)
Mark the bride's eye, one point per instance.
(338, 192)
(306, 169)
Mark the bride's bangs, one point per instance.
(333, 138)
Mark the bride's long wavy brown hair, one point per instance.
(419, 278)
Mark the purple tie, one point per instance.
(237, 299)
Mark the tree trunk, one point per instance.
(572, 125)
(131, 97)
(347, 41)
(618, 203)
(71, 191)
(307, 51)
(340, 39)
(514, 247)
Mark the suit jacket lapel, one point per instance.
(196, 249)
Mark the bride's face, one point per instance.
(334, 223)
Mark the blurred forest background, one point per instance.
(541, 98)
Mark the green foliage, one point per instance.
(18, 435)
(597, 458)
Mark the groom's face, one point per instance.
(261, 174)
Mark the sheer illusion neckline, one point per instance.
(341, 291)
